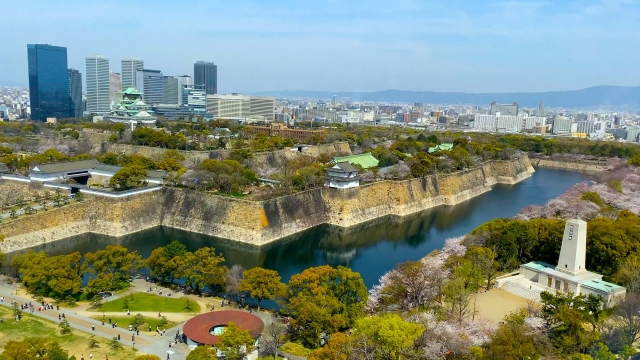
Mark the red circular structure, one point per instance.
(199, 328)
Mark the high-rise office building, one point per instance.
(151, 84)
(48, 81)
(129, 66)
(206, 74)
(171, 90)
(75, 93)
(115, 86)
(183, 81)
(97, 84)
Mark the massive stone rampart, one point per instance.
(570, 165)
(259, 222)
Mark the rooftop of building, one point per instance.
(132, 91)
(345, 166)
(602, 286)
(365, 160)
(441, 147)
(549, 269)
(65, 166)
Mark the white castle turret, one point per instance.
(573, 253)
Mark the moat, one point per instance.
(371, 249)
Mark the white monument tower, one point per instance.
(573, 252)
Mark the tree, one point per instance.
(128, 177)
(201, 353)
(629, 274)
(65, 327)
(113, 266)
(3, 259)
(335, 349)
(262, 284)
(512, 341)
(233, 277)
(165, 262)
(34, 347)
(458, 296)
(96, 302)
(56, 276)
(601, 352)
(274, 337)
(324, 300)
(484, 259)
(93, 343)
(148, 357)
(114, 344)
(628, 313)
(235, 342)
(390, 334)
(202, 268)
(17, 312)
(138, 320)
(409, 285)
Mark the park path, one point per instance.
(78, 322)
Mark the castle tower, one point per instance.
(574, 248)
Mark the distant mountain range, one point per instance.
(597, 96)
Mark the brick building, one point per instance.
(279, 129)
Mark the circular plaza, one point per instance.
(204, 329)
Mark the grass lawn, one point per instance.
(295, 349)
(125, 321)
(150, 302)
(76, 343)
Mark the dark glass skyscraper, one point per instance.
(75, 93)
(48, 81)
(206, 74)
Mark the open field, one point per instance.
(150, 302)
(495, 304)
(77, 343)
(125, 321)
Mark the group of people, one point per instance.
(176, 340)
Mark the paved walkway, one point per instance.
(79, 322)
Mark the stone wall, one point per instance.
(12, 192)
(113, 217)
(259, 222)
(569, 165)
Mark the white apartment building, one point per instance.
(512, 124)
(530, 121)
(562, 124)
(484, 122)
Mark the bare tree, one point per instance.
(232, 280)
(628, 311)
(276, 335)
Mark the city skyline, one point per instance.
(358, 46)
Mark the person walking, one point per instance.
(93, 327)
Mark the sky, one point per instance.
(343, 45)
